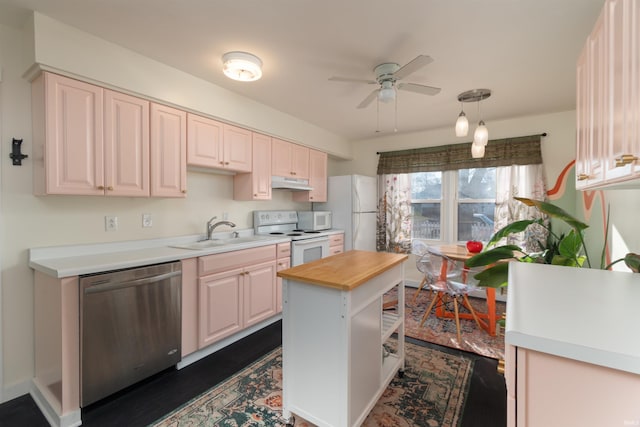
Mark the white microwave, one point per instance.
(314, 220)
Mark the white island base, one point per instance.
(334, 366)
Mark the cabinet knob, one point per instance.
(500, 367)
(583, 177)
(226, 163)
(293, 173)
(100, 187)
(625, 159)
(110, 188)
(184, 191)
(221, 162)
(255, 195)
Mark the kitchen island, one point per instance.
(338, 354)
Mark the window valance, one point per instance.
(524, 150)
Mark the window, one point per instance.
(455, 205)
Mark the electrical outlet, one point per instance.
(110, 223)
(147, 221)
(225, 216)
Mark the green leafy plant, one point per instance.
(565, 249)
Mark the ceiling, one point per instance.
(523, 50)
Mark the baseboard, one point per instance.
(70, 419)
(15, 390)
(202, 353)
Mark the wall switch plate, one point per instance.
(147, 221)
(110, 223)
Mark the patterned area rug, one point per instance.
(443, 331)
(431, 393)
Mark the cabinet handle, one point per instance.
(100, 187)
(583, 176)
(293, 173)
(500, 367)
(226, 163)
(625, 159)
(221, 162)
(310, 197)
(110, 188)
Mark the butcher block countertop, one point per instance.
(345, 271)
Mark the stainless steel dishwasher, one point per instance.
(130, 327)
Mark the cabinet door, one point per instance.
(261, 174)
(204, 142)
(300, 161)
(582, 122)
(259, 284)
(317, 179)
(74, 137)
(621, 26)
(597, 102)
(237, 148)
(126, 145)
(220, 306)
(168, 151)
(281, 159)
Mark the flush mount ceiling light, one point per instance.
(481, 134)
(241, 66)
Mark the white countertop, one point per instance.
(67, 261)
(578, 313)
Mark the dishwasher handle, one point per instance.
(104, 287)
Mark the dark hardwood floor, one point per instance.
(149, 400)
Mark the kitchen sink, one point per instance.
(214, 243)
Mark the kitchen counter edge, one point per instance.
(76, 260)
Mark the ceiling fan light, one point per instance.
(462, 125)
(481, 134)
(387, 94)
(477, 151)
(241, 66)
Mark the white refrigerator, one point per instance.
(353, 201)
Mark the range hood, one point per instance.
(296, 184)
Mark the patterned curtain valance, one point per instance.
(524, 150)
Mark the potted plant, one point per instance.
(566, 249)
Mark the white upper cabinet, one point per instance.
(608, 100)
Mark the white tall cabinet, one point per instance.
(334, 329)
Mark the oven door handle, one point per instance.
(307, 242)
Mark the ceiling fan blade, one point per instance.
(350, 80)
(365, 103)
(414, 65)
(414, 87)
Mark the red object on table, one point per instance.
(474, 246)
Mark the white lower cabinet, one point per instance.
(236, 290)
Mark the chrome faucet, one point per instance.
(212, 226)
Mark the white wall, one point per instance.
(27, 221)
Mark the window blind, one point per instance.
(523, 150)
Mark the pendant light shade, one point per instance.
(241, 66)
(462, 125)
(477, 151)
(481, 134)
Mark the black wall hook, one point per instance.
(16, 155)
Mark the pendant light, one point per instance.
(462, 124)
(481, 133)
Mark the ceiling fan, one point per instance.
(387, 76)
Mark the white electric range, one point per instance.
(306, 246)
